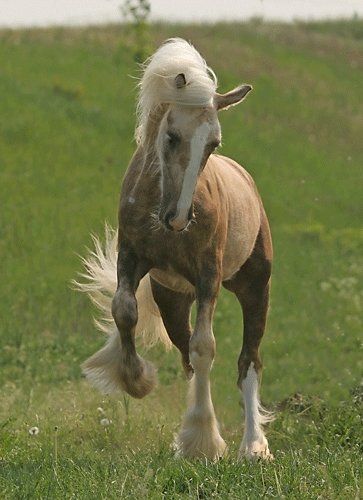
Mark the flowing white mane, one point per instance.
(157, 85)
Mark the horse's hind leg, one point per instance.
(175, 312)
(251, 286)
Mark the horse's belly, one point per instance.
(236, 255)
(172, 280)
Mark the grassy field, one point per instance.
(66, 128)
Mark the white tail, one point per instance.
(101, 283)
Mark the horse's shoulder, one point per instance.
(229, 169)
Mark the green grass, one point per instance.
(66, 127)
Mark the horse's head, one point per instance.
(187, 136)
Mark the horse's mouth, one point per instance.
(179, 226)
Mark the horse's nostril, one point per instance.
(166, 220)
(174, 222)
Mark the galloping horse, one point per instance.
(189, 221)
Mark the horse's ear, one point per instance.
(235, 96)
(180, 81)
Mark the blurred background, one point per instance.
(78, 12)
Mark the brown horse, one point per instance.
(189, 221)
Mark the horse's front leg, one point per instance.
(137, 376)
(251, 286)
(117, 365)
(199, 436)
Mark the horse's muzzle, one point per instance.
(175, 222)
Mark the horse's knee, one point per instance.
(202, 352)
(124, 310)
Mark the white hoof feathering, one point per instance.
(200, 438)
(108, 370)
(254, 444)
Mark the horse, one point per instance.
(189, 221)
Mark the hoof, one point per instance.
(140, 385)
(258, 450)
(200, 438)
(110, 370)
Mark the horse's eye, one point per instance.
(172, 138)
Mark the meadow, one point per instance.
(66, 135)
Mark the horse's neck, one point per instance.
(141, 184)
(148, 131)
(145, 165)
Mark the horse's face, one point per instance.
(187, 136)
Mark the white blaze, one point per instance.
(197, 145)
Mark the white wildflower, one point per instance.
(33, 431)
(105, 422)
